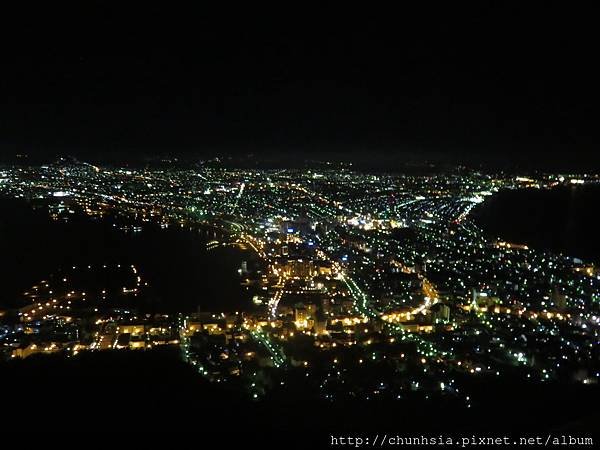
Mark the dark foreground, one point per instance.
(144, 393)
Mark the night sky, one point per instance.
(479, 84)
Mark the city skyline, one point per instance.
(353, 287)
(314, 227)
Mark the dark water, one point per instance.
(562, 219)
(182, 274)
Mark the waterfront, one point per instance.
(183, 276)
(561, 219)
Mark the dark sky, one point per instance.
(476, 84)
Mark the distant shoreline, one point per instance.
(558, 220)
